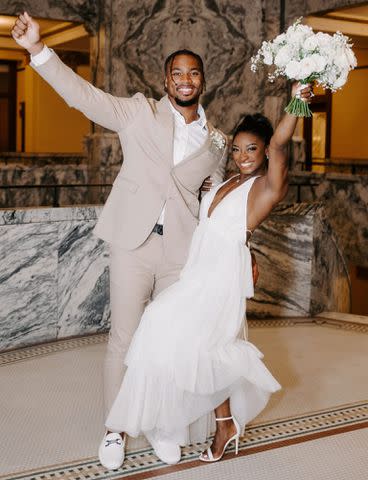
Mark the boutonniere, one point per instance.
(217, 139)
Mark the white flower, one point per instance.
(292, 70)
(297, 39)
(319, 62)
(342, 79)
(329, 54)
(310, 43)
(307, 67)
(306, 30)
(267, 56)
(345, 58)
(324, 39)
(266, 51)
(351, 57)
(217, 139)
(280, 39)
(298, 33)
(328, 78)
(283, 56)
(300, 54)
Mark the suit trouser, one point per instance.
(136, 276)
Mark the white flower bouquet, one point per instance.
(305, 56)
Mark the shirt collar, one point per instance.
(201, 121)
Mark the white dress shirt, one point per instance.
(188, 137)
(42, 57)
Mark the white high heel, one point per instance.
(207, 456)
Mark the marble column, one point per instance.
(345, 200)
(302, 268)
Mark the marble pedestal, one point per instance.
(53, 277)
(302, 268)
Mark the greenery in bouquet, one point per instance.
(302, 55)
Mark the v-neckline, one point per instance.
(225, 196)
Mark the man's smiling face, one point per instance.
(184, 80)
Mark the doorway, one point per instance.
(8, 90)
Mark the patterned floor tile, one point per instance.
(257, 438)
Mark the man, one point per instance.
(149, 218)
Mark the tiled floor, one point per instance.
(51, 404)
(341, 457)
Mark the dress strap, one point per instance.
(249, 184)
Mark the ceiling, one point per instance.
(56, 34)
(353, 22)
(359, 14)
(73, 36)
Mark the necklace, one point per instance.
(246, 178)
(239, 178)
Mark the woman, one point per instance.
(185, 359)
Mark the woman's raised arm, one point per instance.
(277, 173)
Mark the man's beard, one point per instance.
(186, 103)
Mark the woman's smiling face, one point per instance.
(249, 152)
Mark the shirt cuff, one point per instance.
(42, 57)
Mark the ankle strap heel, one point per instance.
(208, 455)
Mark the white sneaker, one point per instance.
(166, 451)
(112, 451)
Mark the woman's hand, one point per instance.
(303, 91)
(206, 185)
(255, 271)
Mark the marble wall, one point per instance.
(345, 200)
(130, 41)
(344, 196)
(302, 268)
(30, 170)
(54, 280)
(50, 287)
(54, 275)
(225, 34)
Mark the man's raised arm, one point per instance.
(100, 107)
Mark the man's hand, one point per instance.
(26, 32)
(206, 185)
(255, 271)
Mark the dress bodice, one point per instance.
(230, 214)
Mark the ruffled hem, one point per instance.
(166, 400)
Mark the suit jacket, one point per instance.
(148, 177)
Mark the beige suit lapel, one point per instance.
(165, 135)
(207, 146)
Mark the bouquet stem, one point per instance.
(298, 108)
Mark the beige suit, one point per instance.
(142, 263)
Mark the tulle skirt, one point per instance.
(186, 358)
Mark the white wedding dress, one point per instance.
(185, 357)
